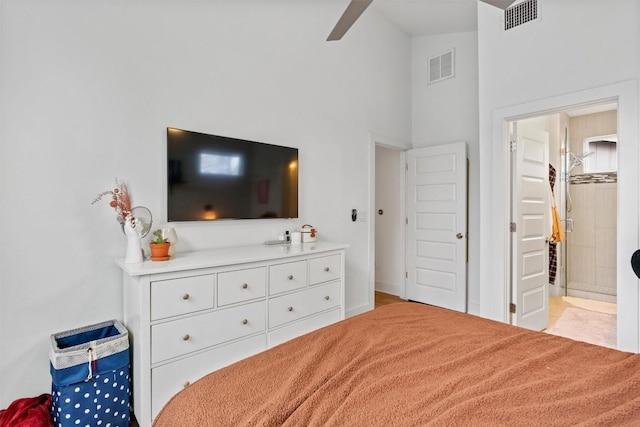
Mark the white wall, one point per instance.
(88, 89)
(577, 49)
(446, 112)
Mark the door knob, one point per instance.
(459, 236)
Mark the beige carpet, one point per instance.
(584, 320)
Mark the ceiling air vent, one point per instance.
(520, 13)
(441, 67)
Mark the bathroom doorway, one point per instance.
(583, 182)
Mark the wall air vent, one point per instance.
(441, 67)
(520, 13)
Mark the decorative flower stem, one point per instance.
(120, 201)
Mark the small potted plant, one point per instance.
(159, 247)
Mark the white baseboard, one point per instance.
(358, 310)
(389, 288)
(592, 295)
(555, 290)
(473, 307)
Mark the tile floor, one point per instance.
(557, 305)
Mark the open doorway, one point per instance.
(421, 247)
(386, 166)
(580, 269)
(389, 260)
(495, 203)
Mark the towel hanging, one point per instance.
(557, 232)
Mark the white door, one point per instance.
(531, 218)
(437, 226)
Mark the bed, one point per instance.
(409, 364)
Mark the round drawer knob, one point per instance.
(245, 321)
(327, 269)
(290, 277)
(186, 384)
(185, 297)
(290, 308)
(327, 297)
(245, 286)
(186, 337)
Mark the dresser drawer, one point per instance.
(193, 333)
(324, 269)
(291, 307)
(169, 379)
(304, 326)
(287, 277)
(181, 296)
(241, 285)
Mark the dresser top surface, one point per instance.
(227, 256)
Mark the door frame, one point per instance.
(496, 202)
(394, 144)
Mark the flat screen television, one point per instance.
(212, 177)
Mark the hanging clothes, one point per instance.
(557, 232)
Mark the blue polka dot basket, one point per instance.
(91, 381)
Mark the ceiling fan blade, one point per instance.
(501, 4)
(350, 15)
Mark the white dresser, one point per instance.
(204, 310)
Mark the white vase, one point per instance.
(169, 233)
(134, 249)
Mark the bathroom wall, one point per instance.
(581, 127)
(592, 244)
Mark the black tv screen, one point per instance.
(216, 177)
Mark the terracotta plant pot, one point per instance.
(159, 251)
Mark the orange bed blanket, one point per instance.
(409, 364)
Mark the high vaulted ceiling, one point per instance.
(429, 17)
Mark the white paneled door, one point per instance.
(437, 226)
(531, 218)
